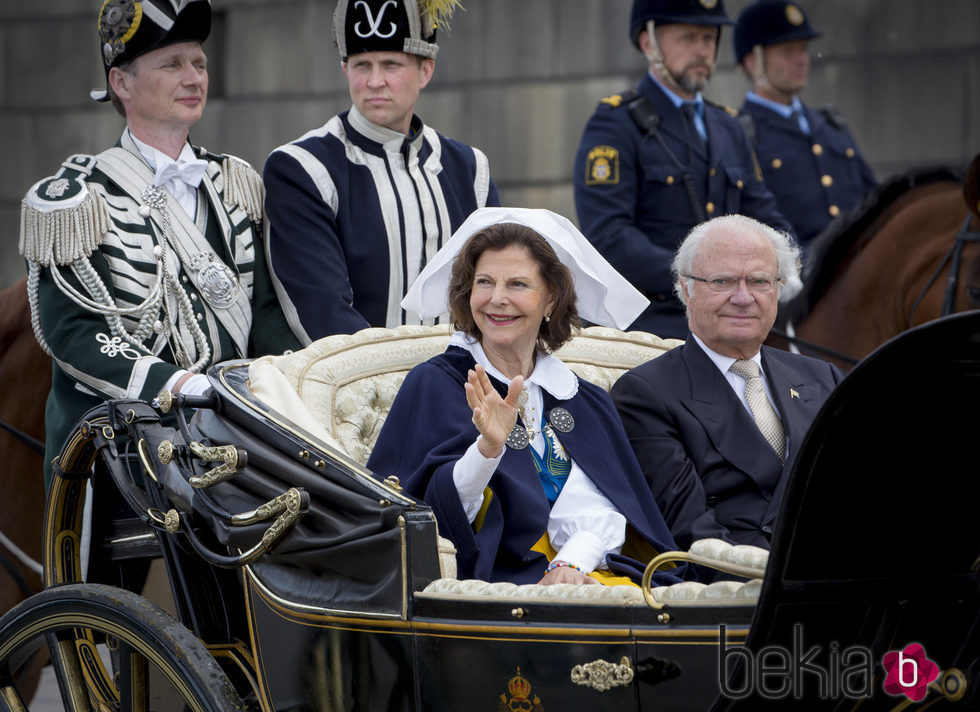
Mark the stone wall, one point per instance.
(517, 78)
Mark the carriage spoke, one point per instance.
(68, 671)
(132, 680)
(12, 701)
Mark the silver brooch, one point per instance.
(155, 197)
(218, 285)
(561, 420)
(518, 438)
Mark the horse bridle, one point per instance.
(954, 255)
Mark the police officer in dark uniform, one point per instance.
(659, 159)
(809, 159)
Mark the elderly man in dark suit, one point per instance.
(715, 422)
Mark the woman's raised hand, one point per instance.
(493, 416)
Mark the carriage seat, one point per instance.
(341, 387)
(688, 594)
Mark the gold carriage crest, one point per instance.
(520, 696)
(794, 15)
(602, 166)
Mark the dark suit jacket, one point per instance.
(710, 469)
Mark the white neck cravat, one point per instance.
(181, 178)
(762, 410)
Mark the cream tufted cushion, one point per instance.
(348, 382)
(687, 594)
(340, 388)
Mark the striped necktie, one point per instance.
(762, 410)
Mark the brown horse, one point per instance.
(909, 254)
(25, 375)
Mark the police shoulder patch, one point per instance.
(727, 109)
(617, 100)
(602, 166)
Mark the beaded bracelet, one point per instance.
(562, 564)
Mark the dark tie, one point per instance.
(690, 110)
(797, 117)
(762, 410)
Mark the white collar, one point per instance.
(156, 158)
(550, 373)
(389, 138)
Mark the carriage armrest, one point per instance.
(477, 590)
(688, 594)
(268, 383)
(738, 559)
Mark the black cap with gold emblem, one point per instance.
(390, 26)
(769, 22)
(130, 28)
(667, 12)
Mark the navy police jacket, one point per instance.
(815, 178)
(632, 202)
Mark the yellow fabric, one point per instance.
(482, 514)
(606, 578)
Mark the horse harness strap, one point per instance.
(954, 256)
(648, 120)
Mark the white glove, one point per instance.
(196, 385)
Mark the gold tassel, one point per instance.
(61, 236)
(243, 186)
(436, 13)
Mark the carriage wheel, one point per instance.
(111, 650)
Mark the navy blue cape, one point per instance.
(429, 428)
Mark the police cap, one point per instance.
(667, 12)
(130, 28)
(769, 22)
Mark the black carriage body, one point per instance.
(386, 647)
(877, 546)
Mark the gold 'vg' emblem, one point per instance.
(520, 699)
(602, 166)
(794, 15)
(709, 4)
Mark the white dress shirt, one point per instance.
(584, 526)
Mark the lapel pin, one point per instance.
(793, 393)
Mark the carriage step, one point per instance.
(130, 539)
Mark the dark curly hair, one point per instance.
(564, 319)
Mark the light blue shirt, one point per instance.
(783, 110)
(698, 102)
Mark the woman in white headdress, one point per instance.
(526, 466)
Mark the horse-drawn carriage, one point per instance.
(300, 581)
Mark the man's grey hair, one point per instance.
(783, 244)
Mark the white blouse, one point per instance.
(584, 526)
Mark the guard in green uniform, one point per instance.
(145, 261)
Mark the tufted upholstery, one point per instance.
(689, 594)
(346, 383)
(340, 389)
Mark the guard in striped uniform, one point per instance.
(358, 206)
(145, 261)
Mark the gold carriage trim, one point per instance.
(520, 699)
(603, 675)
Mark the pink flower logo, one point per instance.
(909, 672)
